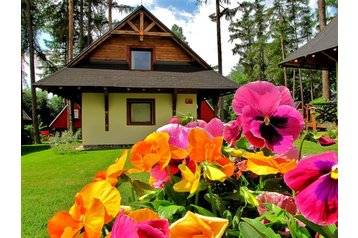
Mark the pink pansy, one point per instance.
(198, 123)
(161, 175)
(215, 126)
(282, 201)
(232, 131)
(174, 120)
(269, 118)
(326, 141)
(126, 227)
(178, 134)
(316, 180)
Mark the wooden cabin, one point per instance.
(133, 79)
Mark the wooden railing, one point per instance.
(316, 115)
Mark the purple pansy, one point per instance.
(232, 131)
(269, 118)
(316, 180)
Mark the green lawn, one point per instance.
(50, 181)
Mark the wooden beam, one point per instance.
(149, 27)
(141, 26)
(158, 34)
(106, 113)
(133, 26)
(329, 57)
(125, 32)
(174, 101)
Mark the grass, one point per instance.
(50, 181)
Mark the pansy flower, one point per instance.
(114, 170)
(190, 180)
(142, 223)
(260, 164)
(232, 131)
(196, 225)
(269, 118)
(203, 147)
(316, 180)
(95, 205)
(154, 149)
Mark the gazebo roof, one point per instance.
(319, 53)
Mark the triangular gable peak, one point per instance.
(142, 24)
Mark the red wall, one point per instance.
(207, 113)
(61, 120)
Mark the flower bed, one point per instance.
(244, 178)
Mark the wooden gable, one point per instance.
(140, 29)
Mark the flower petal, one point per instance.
(124, 227)
(310, 169)
(63, 222)
(215, 127)
(319, 201)
(151, 229)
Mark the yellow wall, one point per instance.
(93, 125)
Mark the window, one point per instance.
(141, 59)
(140, 112)
(75, 114)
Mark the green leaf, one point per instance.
(176, 197)
(168, 211)
(142, 188)
(329, 231)
(158, 203)
(249, 198)
(252, 228)
(242, 143)
(203, 211)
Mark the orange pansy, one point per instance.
(95, 205)
(144, 214)
(263, 165)
(201, 147)
(155, 148)
(114, 171)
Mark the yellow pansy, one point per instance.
(196, 225)
(260, 164)
(190, 181)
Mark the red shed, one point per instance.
(60, 122)
(207, 111)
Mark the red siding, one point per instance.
(207, 112)
(60, 122)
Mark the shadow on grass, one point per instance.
(26, 149)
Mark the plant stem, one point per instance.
(170, 174)
(196, 198)
(212, 199)
(301, 146)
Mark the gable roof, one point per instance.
(78, 77)
(319, 53)
(118, 29)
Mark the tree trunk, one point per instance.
(32, 72)
(70, 30)
(89, 21)
(70, 120)
(294, 84)
(218, 37)
(82, 41)
(110, 14)
(301, 88)
(325, 74)
(283, 51)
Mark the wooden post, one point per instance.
(106, 112)
(174, 101)
(70, 117)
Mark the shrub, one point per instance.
(65, 142)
